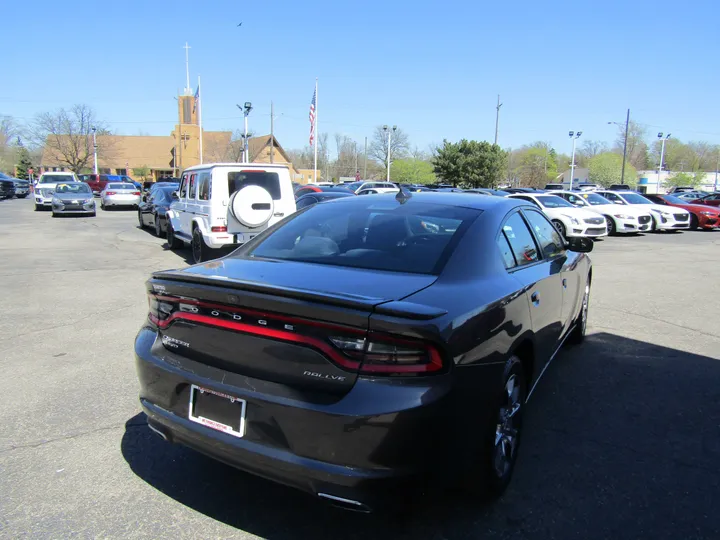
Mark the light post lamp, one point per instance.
(574, 136)
(662, 157)
(389, 133)
(95, 150)
(246, 111)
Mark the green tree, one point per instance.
(606, 169)
(412, 171)
(685, 179)
(142, 172)
(535, 165)
(473, 163)
(24, 163)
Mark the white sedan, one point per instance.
(664, 218)
(568, 219)
(120, 194)
(620, 220)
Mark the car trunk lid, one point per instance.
(296, 324)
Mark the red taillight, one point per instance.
(390, 356)
(218, 229)
(111, 193)
(136, 193)
(352, 349)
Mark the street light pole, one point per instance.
(662, 157)
(95, 169)
(574, 136)
(246, 111)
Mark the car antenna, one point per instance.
(402, 196)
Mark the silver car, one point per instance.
(72, 198)
(120, 194)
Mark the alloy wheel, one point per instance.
(610, 225)
(158, 230)
(507, 430)
(197, 248)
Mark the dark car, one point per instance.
(713, 199)
(524, 190)
(366, 346)
(488, 191)
(152, 212)
(304, 190)
(7, 187)
(320, 196)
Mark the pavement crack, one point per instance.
(38, 444)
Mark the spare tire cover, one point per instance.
(252, 206)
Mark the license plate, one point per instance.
(217, 411)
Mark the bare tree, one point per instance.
(399, 145)
(68, 135)
(9, 130)
(591, 148)
(637, 148)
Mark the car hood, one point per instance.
(614, 209)
(73, 196)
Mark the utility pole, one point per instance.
(717, 166)
(662, 158)
(357, 171)
(95, 151)
(574, 136)
(627, 125)
(272, 134)
(497, 118)
(365, 173)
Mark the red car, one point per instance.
(705, 217)
(712, 200)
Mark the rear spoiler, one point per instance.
(382, 306)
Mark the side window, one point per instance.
(550, 240)
(573, 199)
(528, 199)
(183, 186)
(306, 201)
(191, 186)
(204, 187)
(612, 197)
(521, 240)
(505, 250)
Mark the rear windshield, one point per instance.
(121, 186)
(268, 180)
(409, 238)
(54, 178)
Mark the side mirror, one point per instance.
(175, 196)
(580, 244)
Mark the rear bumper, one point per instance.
(378, 444)
(109, 201)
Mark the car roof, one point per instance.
(327, 194)
(236, 165)
(459, 199)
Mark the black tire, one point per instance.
(611, 227)
(200, 251)
(140, 220)
(577, 335)
(173, 243)
(21, 196)
(653, 225)
(694, 223)
(38, 207)
(560, 227)
(54, 214)
(158, 229)
(489, 475)
(94, 214)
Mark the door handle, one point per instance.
(564, 283)
(535, 297)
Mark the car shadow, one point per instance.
(620, 440)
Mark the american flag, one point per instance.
(312, 118)
(197, 97)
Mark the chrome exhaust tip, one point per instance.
(346, 504)
(156, 430)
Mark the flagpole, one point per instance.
(200, 120)
(315, 176)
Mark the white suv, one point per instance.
(45, 187)
(227, 204)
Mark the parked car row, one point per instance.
(13, 187)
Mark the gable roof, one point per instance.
(257, 144)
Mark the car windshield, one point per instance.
(75, 187)
(594, 199)
(634, 198)
(673, 199)
(553, 201)
(120, 186)
(163, 195)
(55, 178)
(372, 234)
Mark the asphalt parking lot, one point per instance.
(622, 436)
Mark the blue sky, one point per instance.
(432, 68)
